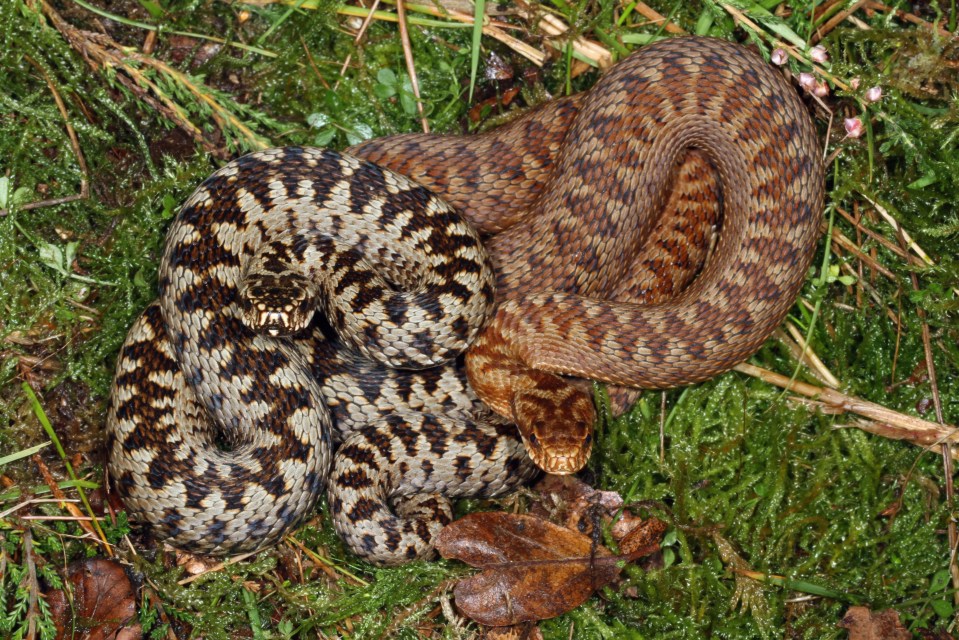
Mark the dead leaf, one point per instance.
(571, 501)
(517, 632)
(104, 604)
(641, 534)
(533, 569)
(864, 624)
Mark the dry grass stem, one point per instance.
(217, 567)
(410, 65)
(909, 17)
(835, 21)
(656, 17)
(802, 352)
(357, 41)
(900, 426)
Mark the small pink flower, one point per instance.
(854, 127)
(821, 90)
(807, 81)
(854, 83)
(818, 54)
(779, 57)
(873, 94)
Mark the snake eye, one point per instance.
(533, 440)
(588, 440)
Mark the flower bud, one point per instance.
(854, 127)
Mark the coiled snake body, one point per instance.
(572, 252)
(571, 191)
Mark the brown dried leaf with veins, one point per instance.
(103, 603)
(864, 624)
(532, 569)
(517, 632)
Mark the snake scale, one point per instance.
(230, 392)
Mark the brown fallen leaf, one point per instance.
(641, 535)
(104, 604)
(532, 569)
(864, 624)
(579, 507)
(518, 632)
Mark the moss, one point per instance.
(815, 507)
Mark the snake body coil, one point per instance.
(600, 196)
(571, 198)
(221, 435)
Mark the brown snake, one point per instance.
(583, 202)
(572, 210)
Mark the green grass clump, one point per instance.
(781, 516)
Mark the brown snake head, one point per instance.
(555, 420)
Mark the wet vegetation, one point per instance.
(785, 507)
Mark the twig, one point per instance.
(100, 51)
(357, 41)
(803, 353)
(850, 246)
(152, 31)
(553, 26)
(433, 593)
(834, 21)
(326, 564)
(219, 566)
(885, 242)
(906, 238)
(32, 501)
(46, 203)
(52, 484)
(898, 229)
(150, 593)
(410, 66)
(651, 14)
(495, 31)
(66, 519)
(743, 19)
(69, 505)
(662, 428)
(896, 425)
(909, 17)
(316, 69)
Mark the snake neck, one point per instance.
(555, 418)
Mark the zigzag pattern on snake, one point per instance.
(569, 252)
(221, 433)
(243, 479)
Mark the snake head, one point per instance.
(276, 307)
(555, 420)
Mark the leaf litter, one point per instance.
(533, 569)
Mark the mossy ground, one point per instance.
(748, 477)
